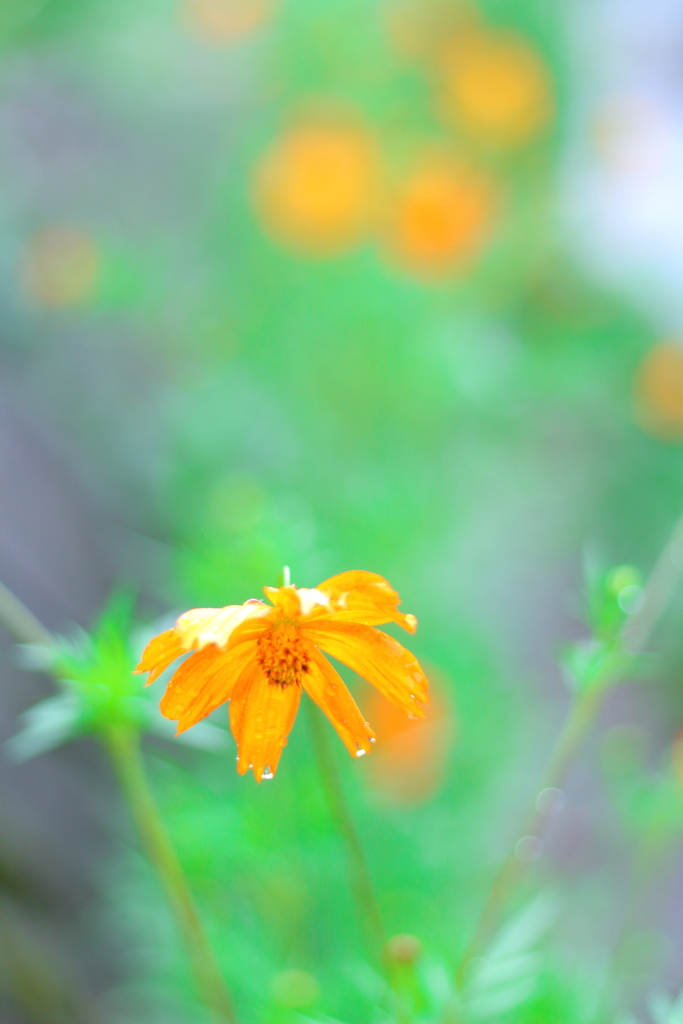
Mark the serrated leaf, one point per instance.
(502, 1000)
(47, 724)
(521, 934)
(498, 972)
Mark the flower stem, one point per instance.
(657, 593)
(124, 749)
(123, 746)
(340, 809)
(572, 736)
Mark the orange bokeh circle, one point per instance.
(495, 86)
(440, 214)
(315, 188)
(60, 266)
(222, 22)
(658, 391)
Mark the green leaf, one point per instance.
(47, 724)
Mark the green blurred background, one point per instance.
(385, 285)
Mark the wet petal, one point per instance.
(285, 600)
(261, 717)
(203, 681)
(325, 686)
(363, 597)
(204, 626)
(190, 624)
(159, 653)
(377, 657)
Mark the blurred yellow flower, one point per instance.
(314, 189)
(658, 391)
(221, 22)
(60, 266)
(495, 86)
(261, 657)
(440, 215)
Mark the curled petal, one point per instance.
(363, 597)
(190, 624)
(285, 600)
(203, 681)
(159, 653)
(377, 657)
(325, 686)
(204, 626)
(261, 717)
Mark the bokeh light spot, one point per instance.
(440, 216)
(314, 189)
(404, 949)
(60, 266)
(222, 22)
(658, 391)
(495, 86)
(294, 989)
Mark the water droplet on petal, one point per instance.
(267, 773)
(360, 752)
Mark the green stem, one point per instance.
(365, 890)
(636, 632)
(340, 809)
(123, 746)
(572, 736)
(124, 749)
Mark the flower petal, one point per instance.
(159, 653)
(203, 626)
(285, 599)
(203, 681)
(377, 657)
(261, 717)
(364, 597)
(190, 624)
(325, 686)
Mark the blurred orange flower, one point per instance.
(60, 266)
(411, 756)
(440, 215)
(222, 22)
(495, 86)
(658, 391)
(314, 189)
(260, 657)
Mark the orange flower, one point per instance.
(260, 657)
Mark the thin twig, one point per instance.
(340, 809)
(636, 632)
(124, 748)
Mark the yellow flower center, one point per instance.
(282, 655)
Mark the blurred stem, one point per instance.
(583, 712)
(123, 746)
(365, 890)
(341, 812)
(572, 736)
